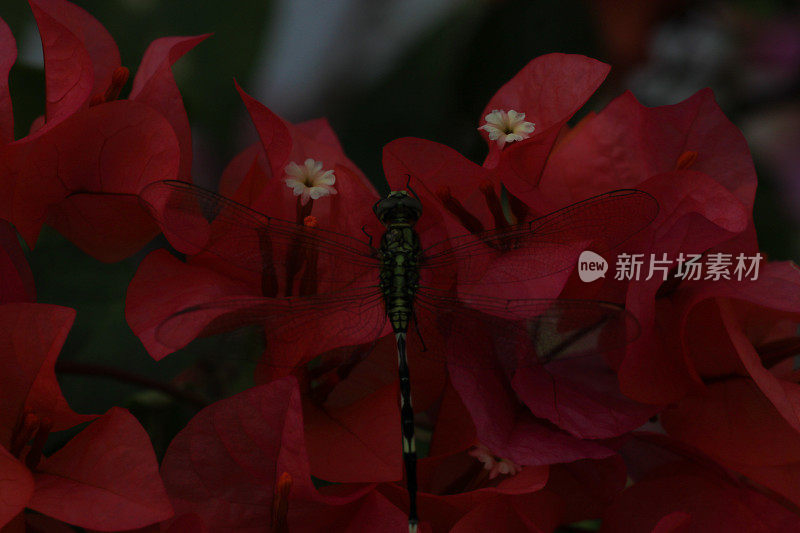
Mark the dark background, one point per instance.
(386, 69)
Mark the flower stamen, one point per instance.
(280, 503)
(118, 80)
(467, 219)
(493, 203)
(686, 160)
(39, 440)
(23, 431)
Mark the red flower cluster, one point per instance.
(652, 403)
(83, 163)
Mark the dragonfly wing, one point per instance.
(283, 254)
(543, 246)
(297, 328)
(550, 329)
(554, 356)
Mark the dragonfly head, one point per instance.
(398, 206)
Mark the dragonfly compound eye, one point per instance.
(398, 206)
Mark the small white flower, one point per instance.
(309, 180)
(505, 127)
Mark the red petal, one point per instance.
(534, 513)
(31, 335)
(582, 397)
(154, 85)
(783, 479)
(454, 429)
(713, 503)
(350, 211)
(244, 178)
(373, 512)
(510, 431)
(733, 421)
(355, 443)
(16, 278)
(778, 288)
(16, 487)
(346, 212)
(627, 143)
(587, 487)
(92, 165)
(273, 132)
(223, 466)
(164, 285)
(79, 56)
(319, 130)
(672, 522)
(8, 54)
(188, 523)
(104, 478)
(432, 167)
(129, 145)
(696, 214)
(549, 90)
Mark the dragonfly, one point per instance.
(308, 273)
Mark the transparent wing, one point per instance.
(297, 328)
(548, 244)
(521, 332)
(557, 357)
(200, 223)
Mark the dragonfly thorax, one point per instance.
(399, 272)
(397, 208)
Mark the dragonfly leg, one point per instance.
(407, 425)
(364, 231)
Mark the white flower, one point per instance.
(309, 180)
(505, 127)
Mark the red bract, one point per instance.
(230, 266)
(83, 164)
(677, 489)
(538, 414)
(257, 176)
(241, 465)
(697, 165)
(464, 482)
(549, 90)
(351, 415)
(106, 477)
(16, 278)
(627, 143)
(463, 197)
(460, 476)
(682, 497)
(739, 339)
